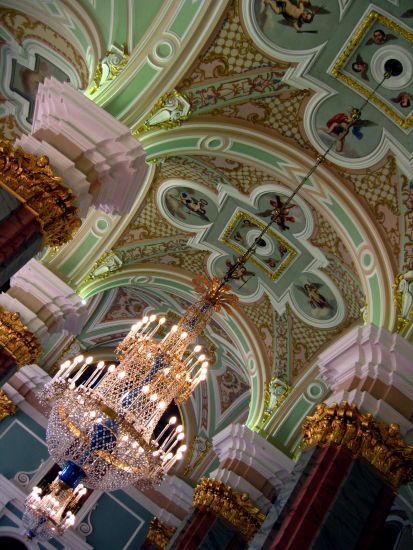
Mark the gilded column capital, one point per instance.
(32, 181)
(7, 407)
(160, 533)
(236, 508)
(378, 443)
(17, 339)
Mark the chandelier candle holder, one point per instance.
(50, 514)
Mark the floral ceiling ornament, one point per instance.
(276, 393)
(108, 263)
(109, 67)
(168, 112)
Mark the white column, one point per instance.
(100, 146)
(373, 369)
(249, 463)
(49, 298)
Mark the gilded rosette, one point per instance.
(17, 339)
(160, 533)
(378, 443)
(235, 508)
(217, 294)
(32, 181)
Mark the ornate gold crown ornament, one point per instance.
(32, 181)
(235, 508)
(378, 443)
(17, 339)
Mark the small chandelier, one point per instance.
(49, 513)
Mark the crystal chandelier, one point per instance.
(51, 513)
(101, 428)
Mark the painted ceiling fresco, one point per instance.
(269, 87)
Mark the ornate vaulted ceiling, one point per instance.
(265, 100)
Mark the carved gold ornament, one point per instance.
(160, 533)
(235, 508)
(109, 67)
(403, 300)
(276, 392)
(7, 407)
(17, 339)
(380, 444)
(217, 294)
(32, 181)
(169, 111)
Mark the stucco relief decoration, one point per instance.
(32, 53)
(286, 266)
(345, 67)
(168, 112)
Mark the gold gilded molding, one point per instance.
(235, 508)
(7, 407)
(169, 111)
(114, 62)
(378, 443)
(160, 533)
(351, 82)
(403, 301)
(107, 264)
(276, 392)
(206, 446)
(225, 238)
(17, 339)
(32, 181)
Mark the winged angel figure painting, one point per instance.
(296, 13)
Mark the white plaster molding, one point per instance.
(176, 490)
(237, 441)
(50, 298)
(368, 351)
(99, 145)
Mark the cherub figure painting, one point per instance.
(315, 299)
(403, 99)
(182, 204)
(360, 66)
(296, 13)
(240, 273)
(380, 37)
(341, 123)
(280, 214)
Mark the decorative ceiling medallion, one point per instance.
(361, 65)
(272, 260)
(286, 266)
